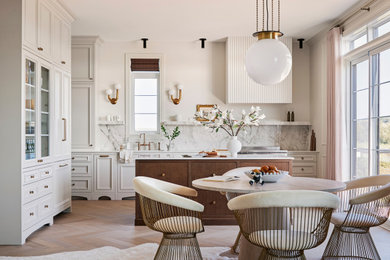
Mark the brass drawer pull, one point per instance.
(31, 192)
(46, 206)
(104, 156)
(163, 174)
(32, 176)
(63, 165)
(46, 186)
(63, 62)
(40, 160)
(213, 202)
(31, 214)
(47, 172)
(40, 49)
(90, 144)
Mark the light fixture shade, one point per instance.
(268, 61)
(108, 92)
(117, 86)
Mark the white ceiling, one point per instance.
(188, 20)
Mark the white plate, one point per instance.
(269, 177)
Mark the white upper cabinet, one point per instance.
(30, 14)
(44, 28)
(83, 62)
(241, 89)
(47, 31)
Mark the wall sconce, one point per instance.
(113, 100)
(171, 92)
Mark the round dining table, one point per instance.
(241, 186)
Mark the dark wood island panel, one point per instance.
(184, 171)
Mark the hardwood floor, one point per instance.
(95, 224)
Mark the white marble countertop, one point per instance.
(239, 157)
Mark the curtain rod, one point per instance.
(365, 7)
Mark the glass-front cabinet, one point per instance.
(37, 112)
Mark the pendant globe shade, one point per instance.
(268, 61)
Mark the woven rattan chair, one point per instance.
(284, 223)
(177, 217)
(365, 203)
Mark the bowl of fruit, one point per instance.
(265, 174)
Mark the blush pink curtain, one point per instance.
(334, 154)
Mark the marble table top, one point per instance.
(286, 183)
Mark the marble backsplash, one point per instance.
(197, 138)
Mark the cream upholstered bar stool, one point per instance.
(177, 217)
(284, 223)
(365, 203)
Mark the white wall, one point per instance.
(202, 74)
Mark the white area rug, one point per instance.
(144, 252)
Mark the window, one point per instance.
(367, 33)
(145, 95)
(370, 114)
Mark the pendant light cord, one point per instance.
(257, 15)
(266, 7)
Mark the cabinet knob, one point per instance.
(63, 62)
(90, 144)
(213, 202)
(73, 169)
(73, 184)
(46, 186)
(47, 172)
(302, 169)
(72, 158)
(40, 49)
(32, 177)
(31, 213)
(302, 158)
(46, 206)
(31, 192)
(163, 174)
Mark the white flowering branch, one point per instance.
(217, 119)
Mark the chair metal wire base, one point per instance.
(178, 247)
(350, 244)
(270, 254)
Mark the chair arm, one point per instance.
(150, 191)
(382, 192)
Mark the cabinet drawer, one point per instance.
(45, 173)
(45, 207)
(81, 158)
(81, 185)
(30, 215)
(30, 192)
(45, 187)
(303, 170)
(82, 169)
(31, 176)
(304, 158)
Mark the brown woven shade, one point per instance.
(145, 65)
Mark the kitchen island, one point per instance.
(182, 170)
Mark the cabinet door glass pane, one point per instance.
(45, 79)
(30, 107)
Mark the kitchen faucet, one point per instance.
(144, 143)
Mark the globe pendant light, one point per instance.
(268, 61)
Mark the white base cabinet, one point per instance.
(304, 163)
(62, 186)
(99, 176)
